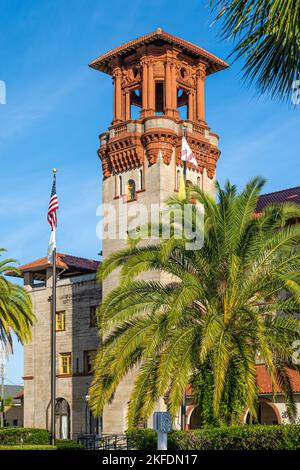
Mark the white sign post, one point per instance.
(162, 424)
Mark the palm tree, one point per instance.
(215, 308)
(16, 315)
(268, 39)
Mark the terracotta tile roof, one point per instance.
(264, 381)
(214, 63)
(63, 261)
(278, 197)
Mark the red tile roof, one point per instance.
(278, 197)
(214, 63)
(63, 261)
(264, 381)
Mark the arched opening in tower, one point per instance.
(182, 103)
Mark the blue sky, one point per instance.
(57, 106)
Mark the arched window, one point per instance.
(141, 186)
(188, 184)
(116, 185)
(93, 424)
(199, 182)
(131, 190)
(178, 179)
(62, 418)
(120, 186)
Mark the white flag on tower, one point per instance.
(186, 153)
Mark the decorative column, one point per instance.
(117, 75)
(168, 88)
(127, 105)
(190, 106)
(144, 64)
(201, 75)
(151, 89)
(173, 90)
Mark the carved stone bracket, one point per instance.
(120, 155)
(106, 165)
(159, 140)
(205, 153)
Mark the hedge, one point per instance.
(68, 444)
(246, 437)
(17, 436)
(28, 447)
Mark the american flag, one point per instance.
(53, 206)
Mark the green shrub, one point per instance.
(142, 439)
(17, 436)
(68, 444)
(246, 437)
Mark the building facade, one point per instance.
(78, 296)
(159, 83)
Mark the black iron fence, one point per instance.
(104, 442)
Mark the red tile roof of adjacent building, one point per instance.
(214, 63)
(279, 197)
(264, 381)
(63, 261)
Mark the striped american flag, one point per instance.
(53, 206)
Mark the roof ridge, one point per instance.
(280, 191)
(79, 257)
(158, 34)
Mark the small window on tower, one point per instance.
(178, 179)
(199, 182)
(65, 360)
(93, 316)
(120, 186)
(89, 357)
(141, 180)
(131, 190)
(60, 321)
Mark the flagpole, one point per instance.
(53, 341)
(183, 403)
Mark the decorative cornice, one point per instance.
(214, 64)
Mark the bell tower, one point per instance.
(159, 83)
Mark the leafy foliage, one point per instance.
(24, 436)
(68, 444)
(268, 39)
(28, 447)
(212, 310)
(16, 313)
(254, 437)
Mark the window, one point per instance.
(141, 180)
(93, 316)
(120, 186)
(89, 357)
(15, 422)
(60, 321)
(131, 190)
(65, 363)
(178, 179)
(199, 182)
